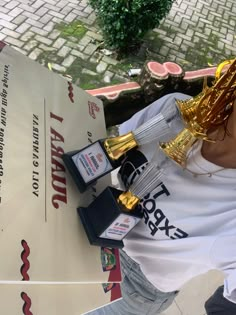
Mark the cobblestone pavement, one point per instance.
(195, 33)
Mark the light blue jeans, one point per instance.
(140, 297)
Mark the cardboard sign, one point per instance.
(56, 299)
(42, 115)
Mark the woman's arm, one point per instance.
(150, 111)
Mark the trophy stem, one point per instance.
(128, 200)
(177, 148)
(118, 146)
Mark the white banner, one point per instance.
(41, 117)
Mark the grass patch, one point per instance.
(75, 29)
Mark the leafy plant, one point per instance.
(125, 22)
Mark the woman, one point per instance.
(189, 224)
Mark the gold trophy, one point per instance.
(207, 110)
(96, 160)
(113, 214)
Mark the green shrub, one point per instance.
(125, 22)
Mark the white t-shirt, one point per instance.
(189, 224)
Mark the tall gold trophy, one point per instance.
(206, 111)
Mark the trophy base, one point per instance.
(92, 237)
(80, 183)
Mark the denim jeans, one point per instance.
(140, 297)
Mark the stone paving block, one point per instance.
(5, 17)
(223, 30)
(205, 21)
(56, 14)
(167, 39)
(15, 12)
(72, 39)
(72, 45)
(89, 72)
(26, 36)
(58, 67)
(79, 54)
(30, 15)
(80, 14)
(201, 35)
(4, 10)
(220, 45)
(188, 43)
(73, 5)
(43, 40)
(160, 31)
(66, 10)
(39, 31)
(11, 33)
(189, 12)
(19, 19)
(27, 7)
(88, 10)
(70, 17)
(230, 37)
(229, 27)
(94, 59)
(9, 25)
(91, 19)
(229, 4)
(34, 23)
(37, 4)
(189, 32)
(23, 28)
(12, 4)
(207, 31)
(52, 7)
(110, 60)
(59, 43)
(164, 51)
(35, 53)
(61, 4)
(109, 73)
(80, 47)
(85, 40)
(56, 20)
(94, 35)
(30, 45)
(46, 48)
(75, 2)
(101, 67)
(41, 12)
(231, 49)
(2, 36)
(46, 18)
(90, 49)
(83, 3)
(64, 51)
(54, 34)
(13, 41)
(68, 61)
(49, 27)
(177, 40)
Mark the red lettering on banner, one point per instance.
(57, 167)
(70, 92)
(92, 109)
